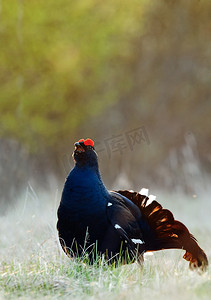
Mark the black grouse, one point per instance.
(121, 225)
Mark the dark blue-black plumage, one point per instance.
(121, 225)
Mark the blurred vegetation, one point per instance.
(59, 64)
(72, 69)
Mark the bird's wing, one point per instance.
(167, 232)
(125, 218)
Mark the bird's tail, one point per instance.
(167, 233)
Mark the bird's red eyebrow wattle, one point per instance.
(81, 140)
(89, 142)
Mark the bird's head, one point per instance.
(84, 153)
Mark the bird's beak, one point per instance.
(79, 148)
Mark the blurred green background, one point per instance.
(100, 69)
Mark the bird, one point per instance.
(121, 225)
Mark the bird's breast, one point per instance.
(84, 203)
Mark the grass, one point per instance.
(34, 266)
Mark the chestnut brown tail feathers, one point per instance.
(167, 232)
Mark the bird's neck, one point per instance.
(84, 174)
(84, 184)
(91, 164)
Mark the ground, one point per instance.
(34, 266)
